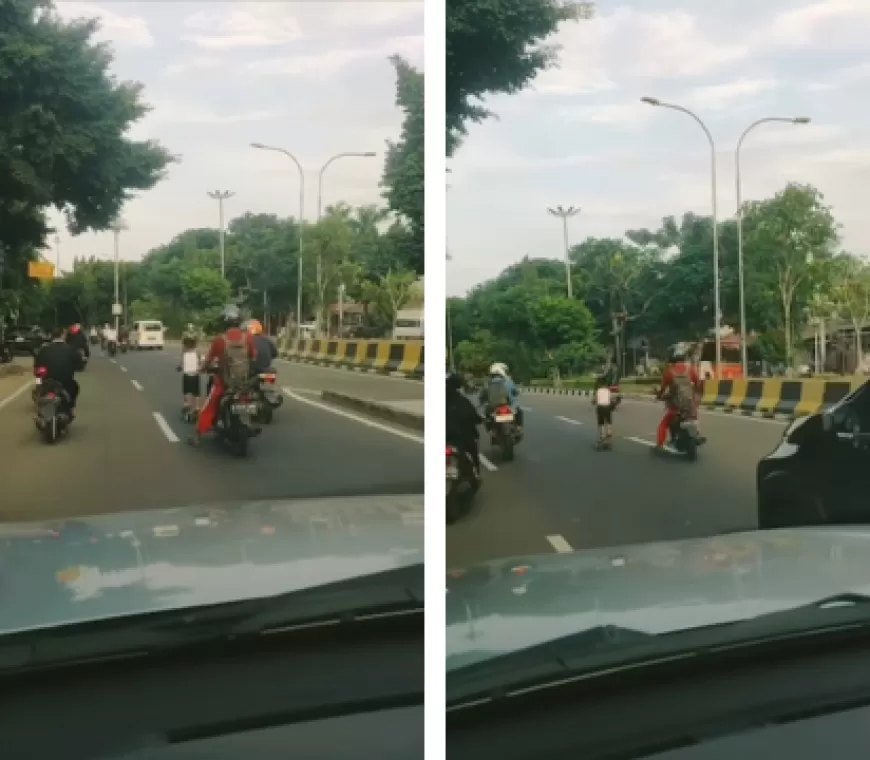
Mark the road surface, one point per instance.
(561, 495)
(127, 449)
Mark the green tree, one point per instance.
(497, 46)
(404, 168)
(63, 132)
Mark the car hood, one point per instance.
(90, 568)
(508, 605)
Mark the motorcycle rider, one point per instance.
(234, 352)
(109, 336)
(76, 338)
(266, 351)
(678, 389)
(61, 361)
(500, 391)
(462, 421)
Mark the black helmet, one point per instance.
(231, 316)
(454, 382)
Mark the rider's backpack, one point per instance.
(683, 398)
(235, 364)
(497, 393)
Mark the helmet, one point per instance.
(75, 328)
(454, 382)
(498, 369)
(254, 327)
(231, 316)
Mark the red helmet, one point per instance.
(75, 328)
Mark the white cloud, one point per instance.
(719, 96)
(197, 63)
(372, 14)
(332, 61)
(114, 27)
(634, 114)
(640, 44)
(258, 25)
(816, 23)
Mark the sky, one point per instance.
(579, 136)
(310, 77)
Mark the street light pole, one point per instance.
(326, 165)
(740, 287)
(716, 303)
(220, 197)
(117, 227)
(564, 214)
(260, 146)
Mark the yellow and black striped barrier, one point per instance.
(404, 358)
(777, 398)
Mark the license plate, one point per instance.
(38, 381)
(504, 418)
(244, 408)
(452, 472)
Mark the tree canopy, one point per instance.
(658, 285)
(496, 46)
(63, 133)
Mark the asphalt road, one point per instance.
(127, 448)
(561, 495)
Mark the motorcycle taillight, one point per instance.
(50, 396)
(504, 410)
(451, 452)
(270, 379)
(40, 372)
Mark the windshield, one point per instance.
(163, 464)
(725, 480)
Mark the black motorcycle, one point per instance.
(462, 483)
(269, 397)
(236, 415)
(52, 414)
(504, 433)
(112, 347)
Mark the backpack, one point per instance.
(497, 393)
(235, 363)
(683, 399)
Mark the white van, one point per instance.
(147, 333)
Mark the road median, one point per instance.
(399, 412)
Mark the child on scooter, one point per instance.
(603, 401)
(190, 383)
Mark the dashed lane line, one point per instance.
(164, 427)
(560, 544)
(137, 385)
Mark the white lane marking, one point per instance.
(560, 544)
(641, 441)
(15, 394)
(136, 385)
(123, 368)
(164, 426)
(569, 420)
(486, 463)
(114, 361)
(355, 417)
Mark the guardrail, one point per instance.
(386, 357)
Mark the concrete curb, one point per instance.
(350, 367)
(374, 409)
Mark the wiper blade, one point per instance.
(394, 592)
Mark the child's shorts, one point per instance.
(190, 385)
(604, 414)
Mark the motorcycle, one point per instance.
(269, 397)
(123, 345)
(235, 420)
(461, 483)
(52, 416)
(94, 340)
(502, 427)
(112, 347)
(684, 435)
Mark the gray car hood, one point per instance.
(88, 568)
(511, 604)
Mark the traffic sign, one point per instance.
(40, 270)
(117, 310)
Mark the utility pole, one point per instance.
(564, 214)
(117, 227)
(220, 197)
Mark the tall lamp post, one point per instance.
(783, 120)
(260, 146)
(564, 214)
(220, 197)
(716, 304)
(118, 226)
(326, 165)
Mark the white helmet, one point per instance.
(498, 369)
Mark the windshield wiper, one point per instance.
(609, 649)
(396, 592)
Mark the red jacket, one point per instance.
(670, 376)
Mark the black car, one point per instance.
(819, 473)
(25, 340)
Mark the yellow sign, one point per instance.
(40, 270)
